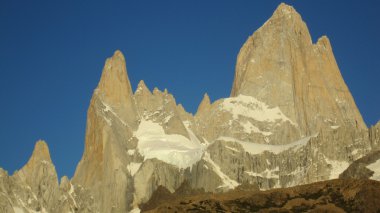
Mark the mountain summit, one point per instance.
(280, 66)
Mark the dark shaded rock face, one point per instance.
(163, 193)
(359, 168)
(328, 196)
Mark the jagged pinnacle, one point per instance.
(204, 105)
(142, 88)
(114, 84)
(41, 151)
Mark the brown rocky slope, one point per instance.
(328, 196)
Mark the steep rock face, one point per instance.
(112, 116)
(114, 89)
(303, 161)
(154, 173)
(280, 66)
(125, 130)
(290, 119)
(245, 118)
(374, 136)
(160, 107)
(367, 167)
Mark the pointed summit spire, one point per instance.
(40, 155)
(204, 105)
(283, 29)
(142, 88)
(324, 42)
(114, 84)
(39, 169)
(40, 152)
(115, 91)
(286, 15)
(285, 9)
(206, 99)
(280, 58)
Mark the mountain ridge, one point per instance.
(290, 120)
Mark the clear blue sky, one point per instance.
(52, 54)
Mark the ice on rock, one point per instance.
(227, 181)
(376, 168)
(256, 148)
(170, 148)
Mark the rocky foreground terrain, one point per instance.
(347, 195)
(290, 120)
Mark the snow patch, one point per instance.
(355, 151)
(257, 148)
(268, 173)
(268, 162)
(227, 181)
(376, 168)
(133, 167)
(135, 210)
(249, 128)
(45, 162)
(187, 123)
(18, 210)
(108, 108)
(250, 107)
(173, 149)
(337, 167)
(167, 118)
(71, 192)
(233, 149)
(339, 101)
(131, 151)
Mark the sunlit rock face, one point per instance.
(280, 66)
(290, 119)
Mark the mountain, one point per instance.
(290, 120)
(280, 65)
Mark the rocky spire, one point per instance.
(283, 28)
(142, 88)
(39, 173)
(280, 66)
(114, 82)
(111, 119)
(374, 136)
(286, 11)
(41, 155)
(115, 90)
(204, 105)
(40, 152)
